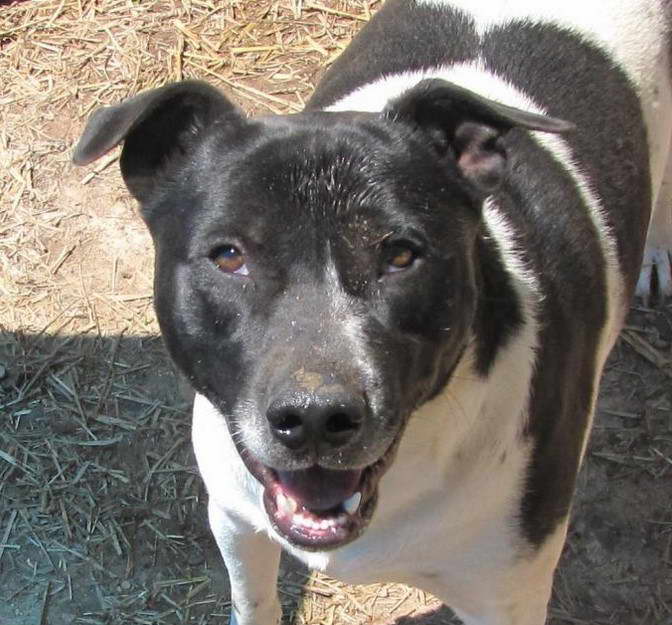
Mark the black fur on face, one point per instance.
(316, 203)
(316, 255)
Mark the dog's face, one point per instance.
(316, 284)
(316, 277)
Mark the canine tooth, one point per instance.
(351, 504)
(291, 504)
(325, 524)
(283, 504)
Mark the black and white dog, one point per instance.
(395, 306)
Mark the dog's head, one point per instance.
(316, 275)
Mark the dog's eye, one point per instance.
(399, 257)
(230, 259)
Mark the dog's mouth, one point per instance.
(317, 508)
(320, 508)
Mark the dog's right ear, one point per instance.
(157, 127)
(464, 125)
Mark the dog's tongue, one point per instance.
(319, 489)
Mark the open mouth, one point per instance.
(318, 508)
(309, 520)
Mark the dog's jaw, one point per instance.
(312, 529)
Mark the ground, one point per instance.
(102, 512)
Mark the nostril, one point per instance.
(288, 427)
(339, 428)
(298, 420)
(287, 423)
(341, 423)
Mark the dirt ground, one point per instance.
(102, 512)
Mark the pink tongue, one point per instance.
(319, 489)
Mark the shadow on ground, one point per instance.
(103, 515)
(103, 511)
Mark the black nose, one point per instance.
(329, 420)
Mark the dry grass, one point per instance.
(102, 512)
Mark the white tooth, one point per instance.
(282, 504)
(324, 524)
(351, 504)
(341, 519)
(291, 504)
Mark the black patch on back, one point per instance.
(401, 37)
(564, 254)
(574, 80)
(581, 85)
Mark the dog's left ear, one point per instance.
(157, 127)
(467, 126)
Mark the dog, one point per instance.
(395, 306)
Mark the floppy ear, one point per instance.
(467, 126)
(156, 127)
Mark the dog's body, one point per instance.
(427, 420)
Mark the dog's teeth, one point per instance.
(286, 504)
(283, 504)
(351, 504)
(325, 524)
(299, 519)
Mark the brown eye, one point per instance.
(230, 259)
(399, 258)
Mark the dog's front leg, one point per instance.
(252, 560)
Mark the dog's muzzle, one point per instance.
(320, 505)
